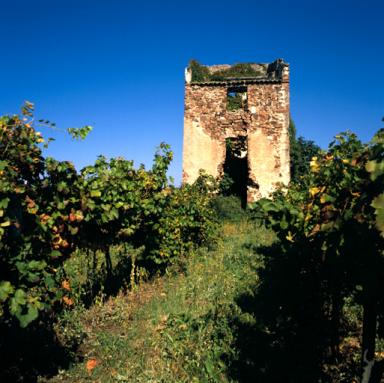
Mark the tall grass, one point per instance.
(176, 328)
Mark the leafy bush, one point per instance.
(39, 207)
(186, 221)
(228, 208)
(48, 210)
(331, 227)
(301, 153)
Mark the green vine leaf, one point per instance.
(79, 133)
(378, 205)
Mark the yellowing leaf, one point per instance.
(326, 198)
(378, 205)
(289, 237)
(5, 224)
(370, 166)
(79, 216)
(313, 191)
(315, 167)
(95, 193)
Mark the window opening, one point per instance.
(237, 98)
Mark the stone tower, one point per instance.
(239, 112)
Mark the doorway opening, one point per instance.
(235, 178)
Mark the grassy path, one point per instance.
(176, 328)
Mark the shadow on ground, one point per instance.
(288, 340)
(26, 354)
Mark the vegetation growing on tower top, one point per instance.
(202, 73)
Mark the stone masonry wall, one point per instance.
(207, 123)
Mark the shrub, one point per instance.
(228, 208)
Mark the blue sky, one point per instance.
(119, 65)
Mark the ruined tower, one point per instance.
(236, 121)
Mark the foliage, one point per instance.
(185, 222)
(118, 200)
(37, 196)
(79, 133)
(331, 226)
(201, 73)
(235, 101)
(226, 185)
(48, 210)
(301, 153)
(228, 207)
(236, 71)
